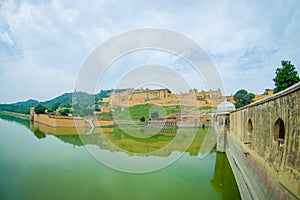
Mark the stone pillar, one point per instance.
(222, 131)
(221, 141)
(31, 117)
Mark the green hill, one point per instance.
(83, 99)
(19, 107)
(138, 111)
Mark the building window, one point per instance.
(279, 131)
(250, 126)
(227, 123)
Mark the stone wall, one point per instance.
(132, 97)
(164, 97)
(66, 130)
(266, 136)
(60, 121)
(97, 122)
(58, 130)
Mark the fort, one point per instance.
(262, 146)
(163, 97)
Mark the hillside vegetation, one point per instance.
(138, 112)
(84, 102)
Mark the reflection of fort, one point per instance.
(116, 140)
(57, 130)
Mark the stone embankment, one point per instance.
(263, 146)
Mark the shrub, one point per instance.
(142, 119)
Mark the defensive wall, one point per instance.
(66, 130)
(67, 121)
(263, 146)
(60, 121)
(164, 97)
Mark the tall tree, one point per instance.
(40, 109)
(286, 76)
(242, 98)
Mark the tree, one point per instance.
(63, 112)
(286, 76)
(242, 98)
(49, 110)
(142, 119)
(55, 106)
(40, 109)
(87, 111)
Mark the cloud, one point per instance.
(51, 39)
(5, 38)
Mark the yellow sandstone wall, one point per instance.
(58, 130)
(163, 97)
(253, 130)
(98, 122)
(60, 121)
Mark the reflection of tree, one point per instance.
(39, 134)
(223, 180)
(15, 119)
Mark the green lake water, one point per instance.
(37, 165)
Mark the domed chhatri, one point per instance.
(225, 107)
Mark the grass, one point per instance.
(205, 108)
(144, 110)
(106, 115)
(16, 115)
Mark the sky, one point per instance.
(44, 43)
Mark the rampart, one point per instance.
(60, 121)
(164, 97)
(68, 121)
(263, 146)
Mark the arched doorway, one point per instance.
(279, 131)
(250, 126)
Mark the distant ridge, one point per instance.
(62, 100)
(30, 101)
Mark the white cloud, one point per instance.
(246, 39)
(4, 37)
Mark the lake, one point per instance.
(38, 165)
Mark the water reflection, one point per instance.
(189, 178)
(39, 134)
(223, 176)
(15, 120)
(115, 139)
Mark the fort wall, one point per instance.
(164, 97)
(98, 122)
(263, 145)
(67, 121)
(60, 121)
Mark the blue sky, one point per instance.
(43, 44)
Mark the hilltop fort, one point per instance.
(164, 97)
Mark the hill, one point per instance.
(64, 100)
(19, 107)
(136, 112)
